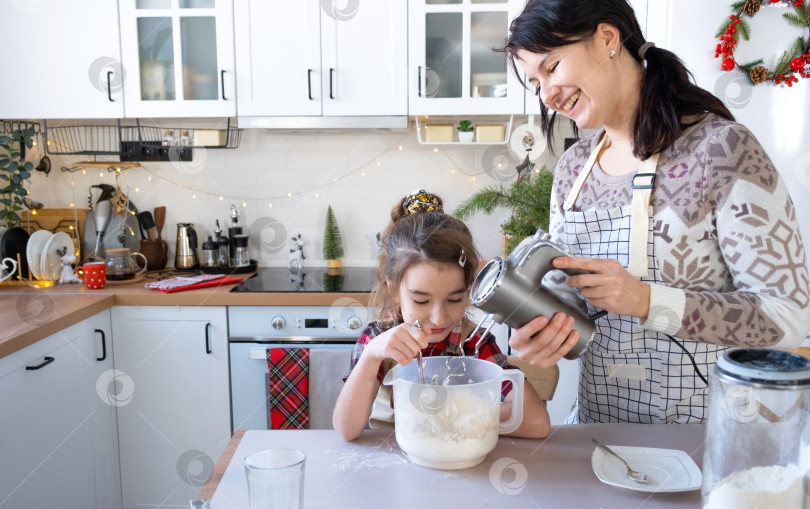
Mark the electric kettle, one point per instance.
(185, 257)
(510, 290)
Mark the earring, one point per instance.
(612, 53)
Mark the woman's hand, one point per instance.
(609, 286)
(400, 343)
(544, 342)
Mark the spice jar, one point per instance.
(210, 253)
(758, 431)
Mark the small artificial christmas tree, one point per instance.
(332, 242)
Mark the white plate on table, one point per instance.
(59, 241)
(34, 249)
(670, 470)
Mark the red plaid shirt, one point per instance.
(489, 350)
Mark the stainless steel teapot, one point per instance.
(510, 290)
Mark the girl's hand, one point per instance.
(609, 286)
(400, 343)
(544, 342)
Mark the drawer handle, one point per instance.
(103, 345)
(207, 338)
(47, 361)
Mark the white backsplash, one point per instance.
(361, 174)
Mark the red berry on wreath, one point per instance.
(728, 64)
(796, 64)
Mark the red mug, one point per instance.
(95, 275)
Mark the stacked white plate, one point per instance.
(50, 264)
(33, 251)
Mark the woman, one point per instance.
(685, 225)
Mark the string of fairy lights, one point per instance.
(371, 163)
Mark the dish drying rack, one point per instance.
(131, 143)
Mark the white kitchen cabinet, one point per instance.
(57, 435)
(452, 67)
(314, 58)
(60, 60)
(179, 58)
(175, 422)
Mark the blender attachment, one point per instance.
(102, 216)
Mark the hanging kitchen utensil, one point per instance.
(44, 165)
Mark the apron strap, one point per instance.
(583, 174)
(642, 184)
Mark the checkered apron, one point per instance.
(628, 373)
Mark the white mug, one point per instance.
(3, 275)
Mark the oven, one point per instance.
(329, 332)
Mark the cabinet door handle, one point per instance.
(309, 84)
(419, 81)
(331, 72)
(109, 86)
(222, 83)
(103, 345)
(47, 361)
(207, 338)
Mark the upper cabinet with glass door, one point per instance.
(452, 66)
(179, 58)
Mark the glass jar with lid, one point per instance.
(758, 431)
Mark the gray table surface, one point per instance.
(373, 472)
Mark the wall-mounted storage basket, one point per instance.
(134, 142)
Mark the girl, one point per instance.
(426, 267)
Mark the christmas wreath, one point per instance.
(794, 61)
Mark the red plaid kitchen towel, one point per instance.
(289, 387)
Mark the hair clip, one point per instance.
(421, 201)
(462, 260)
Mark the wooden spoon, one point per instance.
(160, 219)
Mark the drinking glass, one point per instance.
(275, 479)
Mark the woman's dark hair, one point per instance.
(668, 91)
(417, 237)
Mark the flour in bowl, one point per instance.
(759, 487)
(464, 428)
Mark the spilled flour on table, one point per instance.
(384, 455)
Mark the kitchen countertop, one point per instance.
(371, 469)
(31, 314)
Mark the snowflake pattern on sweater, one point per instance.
(725, 232)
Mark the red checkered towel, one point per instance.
(289, 387)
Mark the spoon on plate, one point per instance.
(632, 474)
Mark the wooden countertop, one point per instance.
(31, 314)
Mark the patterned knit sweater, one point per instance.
(726, 237)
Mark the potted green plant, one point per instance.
(14, 173)
(465, 131)
(529, 201)
(332, 243)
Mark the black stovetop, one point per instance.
(310, 279)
